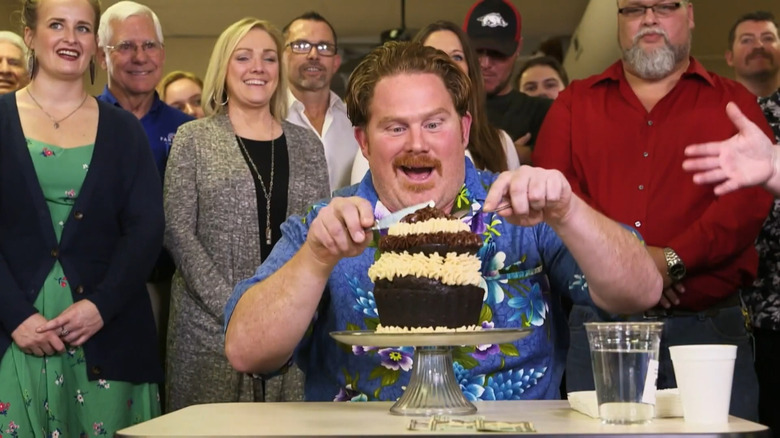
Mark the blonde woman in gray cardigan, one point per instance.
(232, 179)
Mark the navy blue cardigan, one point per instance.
(108, 246)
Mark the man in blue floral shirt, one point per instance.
(414, 130)
(754, 53)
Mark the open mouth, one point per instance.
(68, 54)
(255, 82)
(416, 173)
(417, 168)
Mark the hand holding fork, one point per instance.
(529, 195)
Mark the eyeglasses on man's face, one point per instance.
(130, 47)
(659, 10)
(304, 47)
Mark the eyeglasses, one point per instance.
(304, 47)
(130, 47)
(660, 10)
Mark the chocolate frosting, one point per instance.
(460, 242)
(424, 214)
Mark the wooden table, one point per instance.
(550, 418)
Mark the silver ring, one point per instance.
(64, 331)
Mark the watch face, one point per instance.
(677, 271)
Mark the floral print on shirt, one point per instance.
(524, 272)
(763, 297)
(525, 306)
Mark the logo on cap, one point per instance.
(493, 19)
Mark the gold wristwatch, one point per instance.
(674, 265)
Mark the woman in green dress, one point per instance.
(81, 224)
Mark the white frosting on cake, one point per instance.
(453, 269)
(440, 225)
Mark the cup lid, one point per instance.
(703, 352)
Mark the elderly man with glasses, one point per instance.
(311, 57)
(13, 65)
(131, 50)
(619, 138)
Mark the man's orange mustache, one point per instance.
(418, 161)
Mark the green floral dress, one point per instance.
(51, 396)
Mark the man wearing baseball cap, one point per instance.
(494, 29)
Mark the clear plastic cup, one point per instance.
(625, 368)
(704, 374)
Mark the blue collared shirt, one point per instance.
(160, 124)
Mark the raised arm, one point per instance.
(622, 277)
(272, 316)
(746, 159)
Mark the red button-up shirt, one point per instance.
(627, 163)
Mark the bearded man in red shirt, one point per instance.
(619, 138)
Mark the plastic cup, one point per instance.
(625, 368)
(704, 374)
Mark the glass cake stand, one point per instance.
(432, 389)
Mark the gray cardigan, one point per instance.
(212, 232)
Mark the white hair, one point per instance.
(122, 11)
(8, 36)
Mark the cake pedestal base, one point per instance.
(433, 389)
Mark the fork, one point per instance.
(502, 206)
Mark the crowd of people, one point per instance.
(178, 240)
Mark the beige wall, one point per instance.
(593, 45)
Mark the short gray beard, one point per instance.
(658, 63)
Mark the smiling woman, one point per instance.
(233, 177)
(77, 336)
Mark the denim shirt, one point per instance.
(525, 270)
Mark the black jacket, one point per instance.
(108, 245)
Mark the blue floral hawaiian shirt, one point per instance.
(525, 271)
(763, 296)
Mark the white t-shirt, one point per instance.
(338, 137)
(360, 164)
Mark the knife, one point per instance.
(393, 218)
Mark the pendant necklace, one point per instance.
(53, 120)
(266, 193)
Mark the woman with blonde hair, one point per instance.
(233, 177)
(182, 90)
(81, 224)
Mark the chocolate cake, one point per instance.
(428, 274)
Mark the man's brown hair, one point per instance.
(394, 58)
